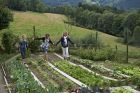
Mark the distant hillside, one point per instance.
(62, 2)
(121, 4)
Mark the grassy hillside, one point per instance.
(45, 23)
(53, 24)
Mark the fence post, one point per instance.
(127, 48)
(34, 31)
(116, 48)
(96, 41)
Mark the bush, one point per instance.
(8, 41)
(136, 36)
(5, 17)
(89, 41)
(99, 55)
(34, 45)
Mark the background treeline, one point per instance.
(105, 19)
(5, 15)
(25, 5)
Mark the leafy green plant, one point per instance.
(83, 75)
(121, 91)
(23, 80)
(34, 45)
(5, 17)
(8, 41)
(99, 55)
(97, 68)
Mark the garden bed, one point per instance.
(49, 75)
(100, 69)
(20, 78)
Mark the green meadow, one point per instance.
(54, 25)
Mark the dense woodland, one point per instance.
(25, 5)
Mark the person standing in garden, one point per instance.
(65, 44)
(45, 44)
(23, 45)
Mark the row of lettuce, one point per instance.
(21, 79)
(124, 72)
(96, 83)
(51, 76)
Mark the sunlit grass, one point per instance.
(53, 24)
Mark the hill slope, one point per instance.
(62, 2)
(53, 23)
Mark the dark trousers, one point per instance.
(23, 53)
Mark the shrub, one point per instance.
(89, 41)
(99, 55)
(5, 17)
(136, 36)
(8, 41)
(34, 45)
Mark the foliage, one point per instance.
(134, 72)
(101, 54)
(89, 41)
(121, 91)
(82, 75)
(136, 36)
(24, 5)
(5, 17)
(22, 78)
(4, 57)
(100, 69)
(62, 82)
(104, 19)
(8, 41)
(34, 45)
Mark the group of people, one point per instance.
(46, 41)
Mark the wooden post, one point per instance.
(96, 41)
(116, 48)
(34, 31)
(127, 49)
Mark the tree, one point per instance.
(37, 5)
(116, 26)
(5, 17)
(136, 36)
(127, 35)
(24, 5)
(94, 19)
(8, 41)
(130, 21)
(107, 22)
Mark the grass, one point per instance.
(53, 24)
(45, 23)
